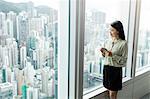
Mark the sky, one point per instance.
(54, 3)
(145, 14)
(50, 3)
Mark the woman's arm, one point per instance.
(121, 60)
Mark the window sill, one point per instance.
(94, 93)
(142, 70)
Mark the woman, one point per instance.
(115, 56)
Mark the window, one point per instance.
(30, 55)
(143, 51)
(98, 15)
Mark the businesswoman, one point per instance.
(115, 53)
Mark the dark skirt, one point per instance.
(112, 78)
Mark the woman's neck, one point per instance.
(114, 39)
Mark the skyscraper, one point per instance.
(98, 17)
(19, 78)
(23, 55)
(3, 75)
(30, 93)
(9, 52)
(14, 83)
(8, 27)
(22, 27)
(36, 93)
(1, 57)
(12, 16)
(2, 22)
(45, 78)
(14, 53)
(5, 58)
(24, 91)
(36, 24)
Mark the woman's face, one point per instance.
(113, 32)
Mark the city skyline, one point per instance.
(27, 50)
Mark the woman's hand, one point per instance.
(105, 52)
(108, 53)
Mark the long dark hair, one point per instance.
(119, 27)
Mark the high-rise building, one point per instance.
(22, 27)
(85, 80)
(6, 91)
(14, 83)
(30, 93)
(34, 59)
(139, 60)
(9, 52)
(23, 55)
(98, 17)
(51, 87)
(45, 20)
(14, 53)
(45, 78)
(8, 28)
(4, 75)
(33, 93)
(30, 9)
(94, 24)
(8, 74)
(1, 57)
(2, 22)
(36, 93)
(24, 91)
(19, 79)
(31, 42)
(12, 16)
(10, 55)
(36, 24)
(38, 61)
(5, 58)
(29, 73)
(40, 57)
(50, 60)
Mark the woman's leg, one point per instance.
(113, 94)
(107, 95)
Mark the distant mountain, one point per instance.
(7, 6)
(44, 9)
(18, 7)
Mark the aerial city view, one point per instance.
(28, 51)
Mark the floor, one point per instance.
(147, 96)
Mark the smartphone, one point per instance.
(103, 50)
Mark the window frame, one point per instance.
(63, 49)
(143, 69)
(133, 25)
(77, 13)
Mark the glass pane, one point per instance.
(99, 14)
(143, 52)
(28, 49)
